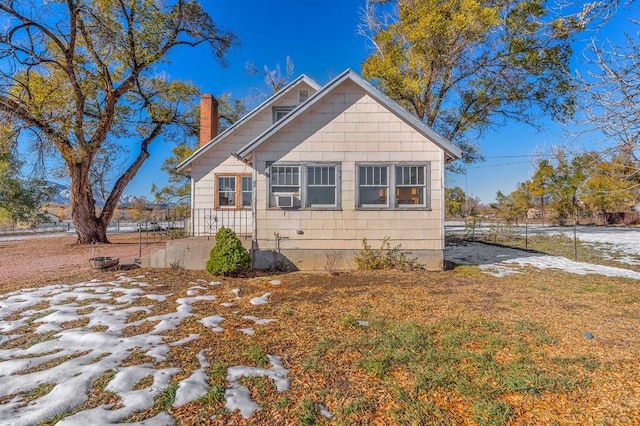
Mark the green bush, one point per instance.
(385, 257)
(228, 256)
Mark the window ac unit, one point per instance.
(284, 200)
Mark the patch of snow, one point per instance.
(91, 353)
(189, 338)
(362, 323)
(238, 397)
(213, 322)
(257, 320)
(227, 304)
(260, 300)
(498, 271)
(275, 282)
(215, 283)
(324, 411)
(156, 297)
(500, 261)
(194, 386)
(132, 401)
(248, 331)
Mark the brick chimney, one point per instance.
(208, 118)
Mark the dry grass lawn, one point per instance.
(457, 347)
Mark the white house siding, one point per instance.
(350, 127)
(205, 219)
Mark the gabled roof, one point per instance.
(452, 152)
(264, 105)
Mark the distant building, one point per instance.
(534, 214)
(50, 217)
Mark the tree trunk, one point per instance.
(89, 228)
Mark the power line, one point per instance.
(499, 165)
(520, 156)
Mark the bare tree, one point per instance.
(610, 103)
(611, 95)
(274, 79)
(78, 73)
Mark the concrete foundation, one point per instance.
(187, 253)
(193, 253)
(332, 260)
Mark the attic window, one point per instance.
(303, 95)
(280, 112)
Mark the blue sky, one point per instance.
(322, 41)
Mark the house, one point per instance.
(534, 214)
(50, 217)
(312, 171)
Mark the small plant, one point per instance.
(175, 234)
(216, 377)
(499, 232)
(385, 257)
(215, 395)
(228, 256)
(308, 412)
(348, 321)
(257, 356)
(175, 265)
(470, 226)
(55, 418)
(38, 392)
(168, 396)
(331, 261)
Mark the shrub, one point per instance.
(228, 256)
(385, 257)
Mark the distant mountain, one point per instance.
(62, 195)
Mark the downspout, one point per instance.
(443, 163)
(193, 207)
(254, 210)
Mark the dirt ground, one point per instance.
(45, 259)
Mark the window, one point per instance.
(374, 186)
(226, 191)
(321, 186)
(309, 185)
(303, 95)
(247, 190)
(285, 179)
(409, 184)
(234, 191)
(280, 112)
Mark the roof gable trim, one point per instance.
(450, 149)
